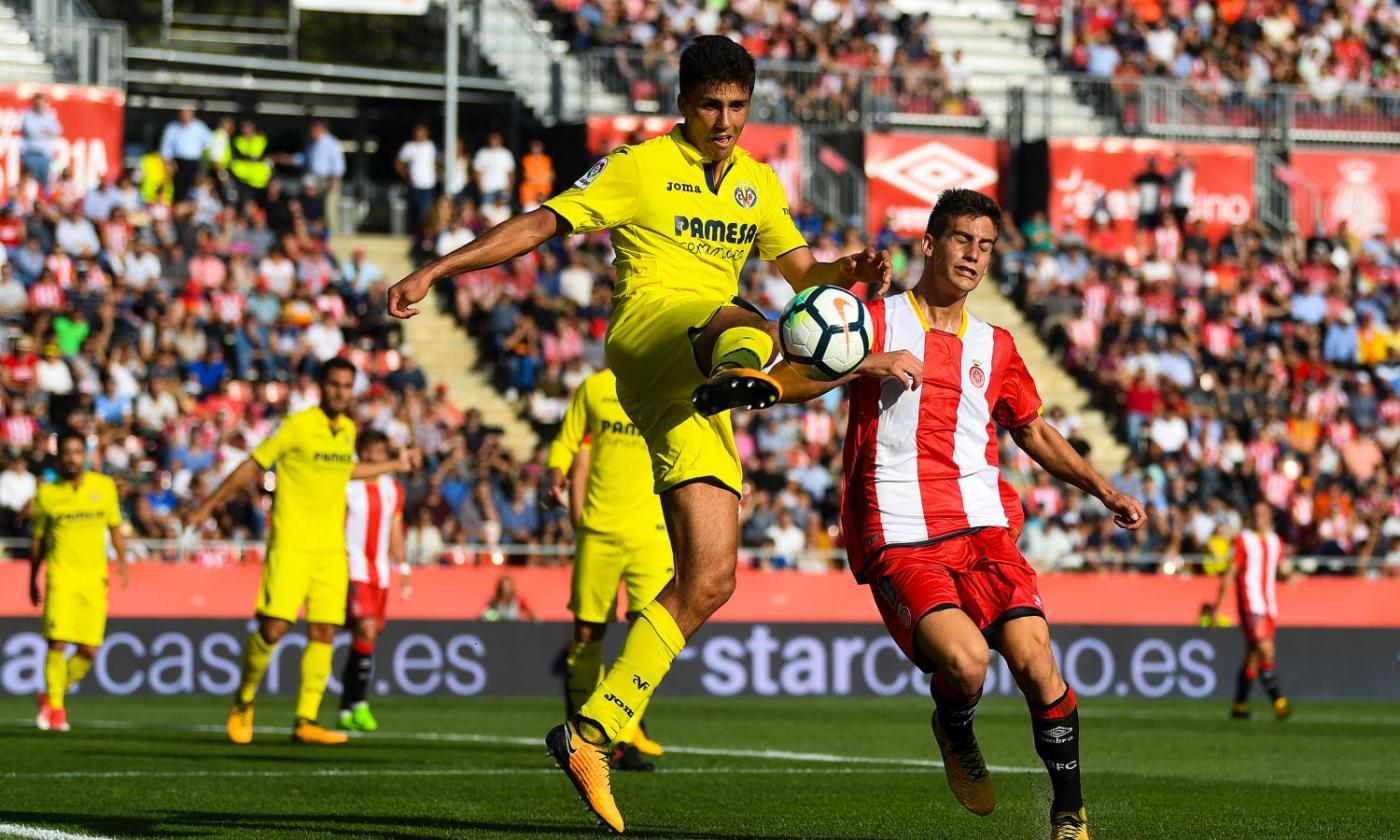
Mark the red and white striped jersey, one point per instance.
(371, 507)
(1258, 557)
(923, 464)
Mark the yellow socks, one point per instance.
(652, 644)
(78, 666)
(745, 347)
(256, 654)
(55, 677)
(583, 669)
(629, 730)
(315, 670)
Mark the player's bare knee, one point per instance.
(87, 651)
(704, 593)
(324, 633)
(965, 668)
(1038, 678)
(587, 631)
(273, 629)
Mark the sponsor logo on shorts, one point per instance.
(621, 705)
(589, 176)
(746, 196)
(1057, 735)
(906, 617)
(976, 375)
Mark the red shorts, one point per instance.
(1257, 627)
(982, 573)
(366, 601)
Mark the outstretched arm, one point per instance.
(1048, 448)
(802, 271)
(247, 472)
(901, 363)
(1225, 579)
(505, 241)
(407, 461)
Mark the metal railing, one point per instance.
(227, 553)
(81, 48)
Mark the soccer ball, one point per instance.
(824, 332)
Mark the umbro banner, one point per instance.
(1088, 175)
(1355, 186)
(469, 659)
(906, 172)
(91, 144)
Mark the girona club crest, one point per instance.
(1357, 199)
(976, 376)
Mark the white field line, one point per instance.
(31, 833)
(447, 771)
(514, 741)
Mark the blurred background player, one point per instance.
(72, 518)
(620, 537)
(685, 210)
(374, 542)
(313, 452)
(1256, 566)
(931, 522)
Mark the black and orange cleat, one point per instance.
(736, 388)
(1240, 711)
(588, 768)
(1283, 710)
(968, 776)
(627, 758)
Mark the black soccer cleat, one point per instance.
(626, 759)
(736, 388)
(1240, 711)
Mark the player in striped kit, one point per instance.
(373, 542)
(931, 524)
(1257, 561)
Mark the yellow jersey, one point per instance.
(619, 498)
(670, 228)
(73, 519)
(314, 459)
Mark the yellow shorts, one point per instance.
(648, 347)
(602, 561)
(75, 613)
(290, 579)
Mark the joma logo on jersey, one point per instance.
(730, 233)
(621, 705)
(334, 457)
(677, 186)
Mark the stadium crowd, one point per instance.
(641, 39)
(1228, 51)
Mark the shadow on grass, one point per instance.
(219, 824)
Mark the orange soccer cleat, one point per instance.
(240, 723)
(307, 732)
(587, 767)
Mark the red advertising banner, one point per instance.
(1084, 169)
(1352, 186)
(906, 172)
(92, 120)
(189, 590)
(779, 146)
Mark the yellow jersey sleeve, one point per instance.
(114, 504)
(777, 233)
(274, 445)
(572, 431)
(41, 513)
(604, 197)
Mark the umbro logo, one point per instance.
(1057, 735)
(926, 171)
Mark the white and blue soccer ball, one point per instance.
(824, 332)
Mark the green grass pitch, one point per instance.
(761, 769)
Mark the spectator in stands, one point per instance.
(417, 164)
(537, 177)
(506, 603)
(324, 160)
(184, 145)
(250, 167)
(39, 131)
(17, 489)
(493, 172)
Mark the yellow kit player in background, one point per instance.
(72, 518)
(314, 454)
(685, 211)
(619, 536)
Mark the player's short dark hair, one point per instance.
(67, 434)
(368, 438)
(331, 365)
(712, 59)
(959, 204)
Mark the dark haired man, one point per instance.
(72, 518)
(930, 523)
(313, 452)
(373, 543)
(685, 210)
